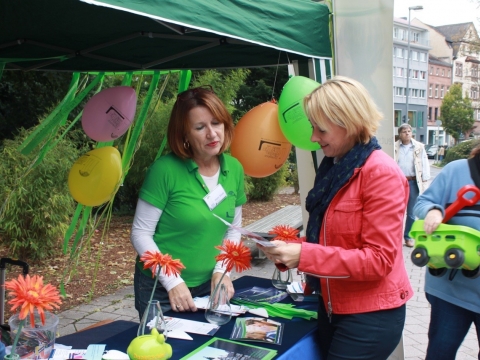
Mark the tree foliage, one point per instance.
(457, 113)
(26, 96)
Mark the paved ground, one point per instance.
(120, 306)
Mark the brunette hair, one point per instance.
(178, 124)
(346, 103)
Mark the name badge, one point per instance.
(215, 197)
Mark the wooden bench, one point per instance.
(289, 215)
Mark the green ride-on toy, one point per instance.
(450, 246)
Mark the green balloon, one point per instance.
(291, 116)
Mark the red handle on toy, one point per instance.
(462, 201)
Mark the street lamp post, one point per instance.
(418, 7)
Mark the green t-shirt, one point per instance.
(187, 230)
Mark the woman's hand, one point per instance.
(432, 220)
(283, 253)
(226, 281)
(181, 299)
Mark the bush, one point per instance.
(36, 206)
(460, 151)
(263, 189)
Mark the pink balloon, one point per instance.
(109, 114)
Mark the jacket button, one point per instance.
(402, 295)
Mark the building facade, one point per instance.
(411, 94)
(439, 82)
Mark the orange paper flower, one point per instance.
(234, 255)
(285, 233)
(154, 259)
(29, 293)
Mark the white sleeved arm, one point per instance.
(143, 228)
(232, 235)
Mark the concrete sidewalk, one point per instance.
(120, 306)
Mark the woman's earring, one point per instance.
(186, 145)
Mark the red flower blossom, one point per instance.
(285, 233)
(234, 255)
(29, 293)
(154, 259)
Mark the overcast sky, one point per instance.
(440, 12)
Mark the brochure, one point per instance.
(257, 329)
(191, 326)
(224, 349)
(255, 237)
(258, 294)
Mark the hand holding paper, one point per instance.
(255, 237)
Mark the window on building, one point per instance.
(398, 118)
(420, 119)
(449, 73)
(430, 90)
(415, 36)
(399, 91)
(399, 52)
(436, 114)
(400, 72)
(423, 57)
(443, 72)
(429, 113)
(415, 74)
(458, 69)
(431, 70)
(395, 33)
(414, 55)
(442, 91)
(422, 94)
(436, 91)
(474, 72)
(412, 118)
(474, 92)
(436, 72)
(423, 75)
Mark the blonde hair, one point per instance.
(346, 103)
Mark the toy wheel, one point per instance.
(454, 258)
(471, 274)
(420, 257)
(437, 272)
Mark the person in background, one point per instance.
(352, 256)
(441, 153)
(173, 213)
(454, 298)
(413, 161)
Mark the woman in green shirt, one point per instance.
(174, 215)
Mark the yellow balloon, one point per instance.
(95, 176)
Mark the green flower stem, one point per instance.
(151, 298)
(19, 331)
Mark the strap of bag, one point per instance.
(474, 165)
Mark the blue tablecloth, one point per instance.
(297, 343)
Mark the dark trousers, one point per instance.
(412, 200)
(449, 324)
(372, 335)
(143, 286)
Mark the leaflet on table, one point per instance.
(259, 294)
(93, 352)
(190, 326)
(202, 303)
(217, 348)
(257, 329)
(255, 237)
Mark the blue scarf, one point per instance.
(330, 178)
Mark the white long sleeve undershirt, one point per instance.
(146, 219)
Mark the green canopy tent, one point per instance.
(154, 35)
(120, 35)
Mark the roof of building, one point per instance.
(435, 60)
(454, 32)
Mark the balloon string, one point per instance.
(276, 72)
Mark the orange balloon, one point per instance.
(258, 142)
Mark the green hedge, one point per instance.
(460, 151)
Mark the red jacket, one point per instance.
(359, 257)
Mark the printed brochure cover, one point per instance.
(257, 329)
(222, 349)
